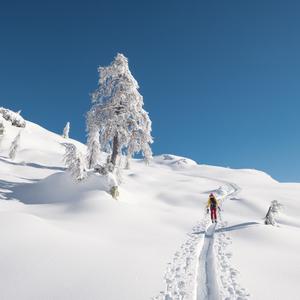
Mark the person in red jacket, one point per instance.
(212, 205)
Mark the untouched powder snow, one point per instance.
(62, 240)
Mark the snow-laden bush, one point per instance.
(14, 147)
(13, 117)
(2, 130)
(117, 113)
(273, 210)
(75, 162)
(66, 131)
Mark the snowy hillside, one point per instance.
(64, 240)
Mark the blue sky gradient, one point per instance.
(220, 79)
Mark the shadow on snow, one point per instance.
(231, 228)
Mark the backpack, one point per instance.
(213, 203)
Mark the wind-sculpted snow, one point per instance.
(175, 162)
(60, 188)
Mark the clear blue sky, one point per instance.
(220, 79)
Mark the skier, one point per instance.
(212, 205)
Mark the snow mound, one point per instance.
(61, 188)
(174, 161)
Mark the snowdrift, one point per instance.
(60, 188)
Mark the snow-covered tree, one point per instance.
(14, 147)
(93, 146)
(273, 210)
(2, 130)
(118, 113)
(13, 117)
(75, 162)
(66, 131)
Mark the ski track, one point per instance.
(207, 280)
(201, 269)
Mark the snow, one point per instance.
(67, 240)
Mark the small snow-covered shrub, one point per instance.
(273, 210)
(14, 147)
(74, 161)
(2, 130)
(112, 181)
(13, 117)
(66, 131)
(167, 157)
(102, 170)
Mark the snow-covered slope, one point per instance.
(61, 240)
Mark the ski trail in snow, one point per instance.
(216, 278)
(181, 275)
(207, 279)
(207, 282)
(201, 269)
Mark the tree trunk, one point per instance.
(267, 217)
(115, 150)
(127, 167)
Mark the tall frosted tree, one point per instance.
(66, 131)
(14, 147)
(117, 112)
